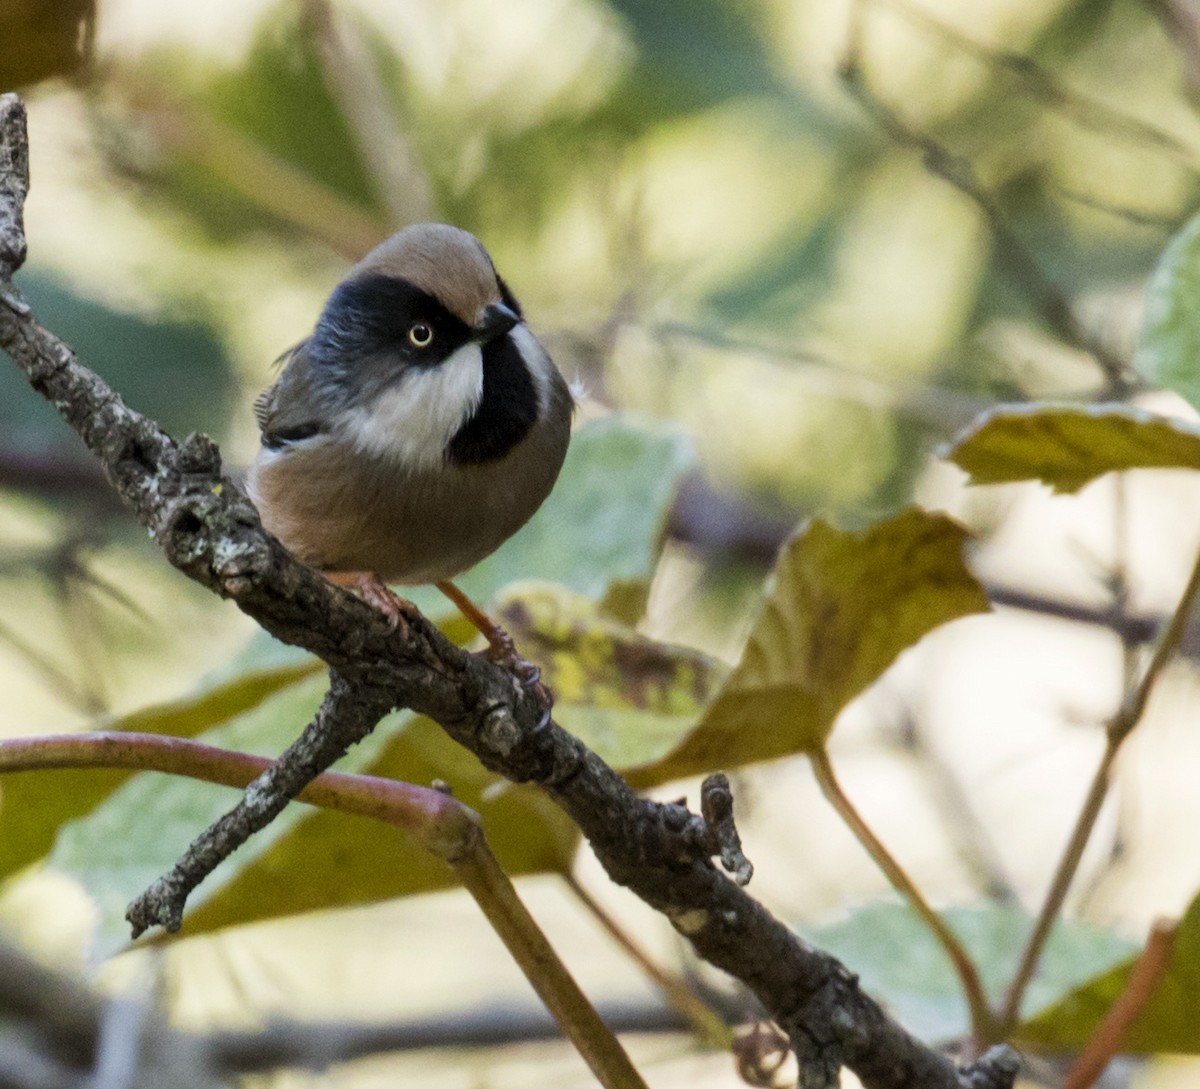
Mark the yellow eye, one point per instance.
(420, 335)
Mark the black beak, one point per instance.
(494, 321)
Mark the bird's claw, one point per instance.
(503, 652)
(397, 610)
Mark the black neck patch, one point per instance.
(506, 411)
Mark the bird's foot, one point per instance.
(501, 649)
(397, 610)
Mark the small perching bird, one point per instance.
(417, 428)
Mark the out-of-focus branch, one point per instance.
(968, 834)
(1014, 256)
(1181, 20)
(353, 78)
(940, 409)
(1046, 88)
(255, 173)
(57, 1034)
(57, 477)
(210, 531)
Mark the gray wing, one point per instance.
(289, 411)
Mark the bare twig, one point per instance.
(941, 409)
(1045, 87)
(705, 1021)
(982, 1018)
(1122, 725)
(1143, 981)
(210, 531)
(1137, 217)
(347, 715)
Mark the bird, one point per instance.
(416, 429)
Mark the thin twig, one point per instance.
(354, 80)
(982, 1018)
(1128, 716)
(941, 409)
(707, 1024)
(1046, 89)
(1014, 256)
(346, 716)
(1147, 974)
(57, 680)
(491, 889)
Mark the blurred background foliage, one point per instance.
(816, 236)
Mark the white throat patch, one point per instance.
(413, 421)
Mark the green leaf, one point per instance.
(318, 859)
(1067, 446)
(34, 804)
(307, 859)
(604, 518)
(1168, 1022)
(840, 609)
(901, 963)
(1168, 351)
(629, 698)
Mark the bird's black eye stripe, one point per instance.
(375, 314)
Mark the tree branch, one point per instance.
(346, 716)
(210, 531)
